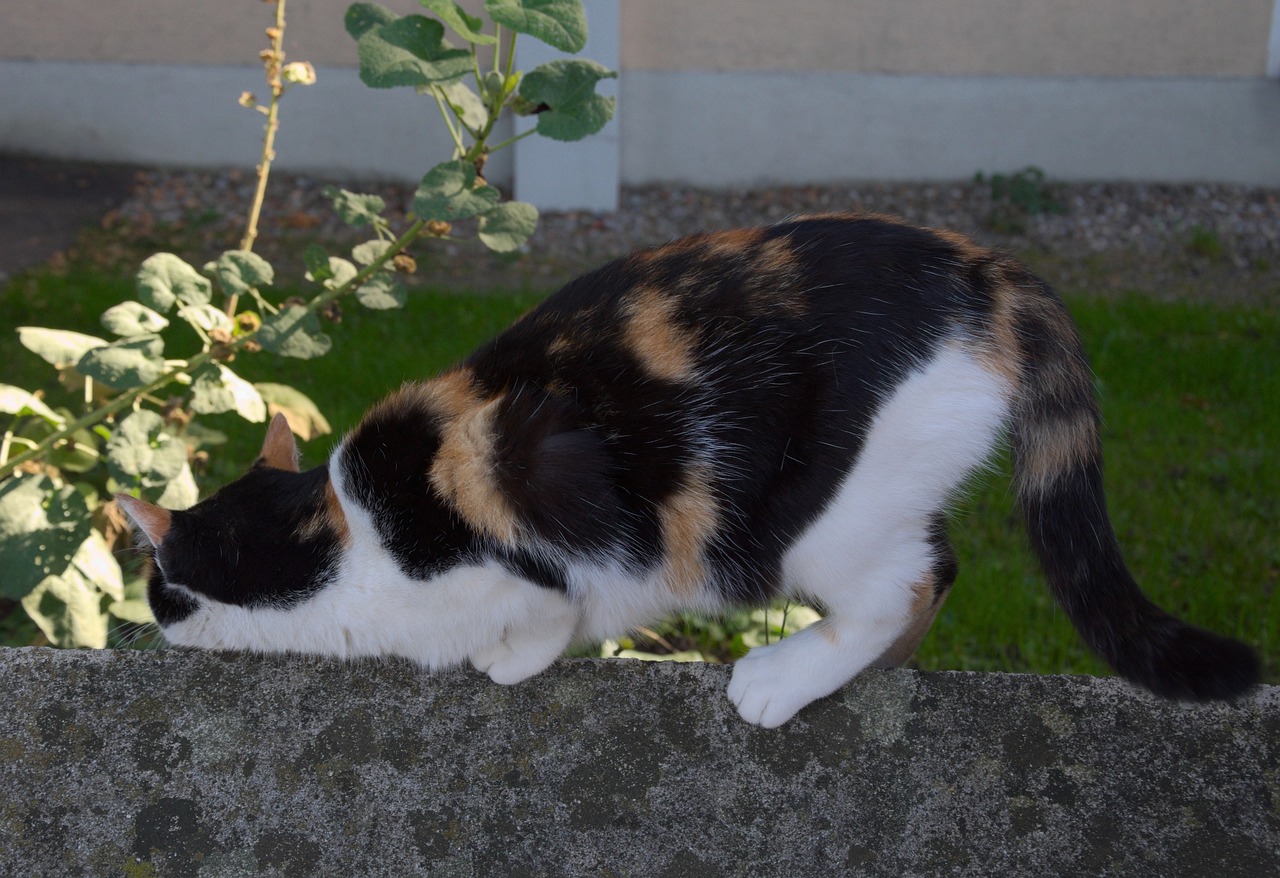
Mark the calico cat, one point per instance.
(707, 423)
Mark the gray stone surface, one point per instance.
(177, 763)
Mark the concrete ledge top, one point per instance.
(181, 763)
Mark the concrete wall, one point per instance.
(198, 764)
(718, 92)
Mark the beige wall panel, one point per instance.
(1023, 37)
(177, 31)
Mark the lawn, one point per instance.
(1188, 396)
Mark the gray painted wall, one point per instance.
(716, 129)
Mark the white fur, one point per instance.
(864, 554)
(509, 628)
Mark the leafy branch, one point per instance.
(55, 527)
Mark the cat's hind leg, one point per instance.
(877, 621)
(929, 596)
(873, 558)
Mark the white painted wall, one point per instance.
(728, 129)
(584, 174)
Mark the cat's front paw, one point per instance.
(507, 666)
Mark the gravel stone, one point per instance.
(1227, 235)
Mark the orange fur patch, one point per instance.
(688, 520)
(452, 393)
(925, 604)
(337, 518)
(463, 470)
(330, 519)
(774, 285)
(664, 349)
(1003, 354)
(1051, 448)
(731, 243)
(965, 247)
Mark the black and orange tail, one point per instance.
(1058, 464)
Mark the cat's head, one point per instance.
(268, 541)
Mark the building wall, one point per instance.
(974, 37)
(715, 92)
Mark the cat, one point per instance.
(708, 423)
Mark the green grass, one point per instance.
(1188, 395)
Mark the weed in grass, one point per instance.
(1205, 243)
(1017, 196)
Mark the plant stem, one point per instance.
(511, 140)
(128, 397)
(274, 59)
(448, 123)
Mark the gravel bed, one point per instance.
(1229, 234)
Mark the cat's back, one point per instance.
(685, 311)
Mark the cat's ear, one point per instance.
(153, 521)
(279, 450)
(553, 470)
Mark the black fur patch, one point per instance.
(554, 470)
(241, 545)
(385, 466)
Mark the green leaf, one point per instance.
(42, 525)
(133, 606)
(355, 209)
(217, 389)
(238, 271)
(206, 318)
(164, 280)
(382, 292)
(464, 25)
(198, 436)
(452, 191)
(567, 87)
(294, 332)
(561, 24)
(409, 51)
(68, 609)
(78, 453)
(141, 454)
(364, 17)
(508, 226)
(124, 364)
(337, 272)
(302, 414)
(58, 347)
(316, 259)
(19, 402)
(135, 610)
(465, 103)
(132, 318)
(94, 560)
(180, 492)
(370, 251)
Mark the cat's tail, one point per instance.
(1058, 465)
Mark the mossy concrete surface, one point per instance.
(195, 764)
